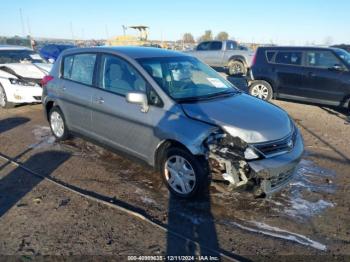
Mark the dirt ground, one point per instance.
(308, 218)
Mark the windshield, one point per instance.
(20, 56)
(185, 78)
(345, 56)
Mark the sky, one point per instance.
(293, 22)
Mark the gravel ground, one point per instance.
(309, 218)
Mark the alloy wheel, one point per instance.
(2, 98)
(236, 69)
(57, 124)
(260, 91)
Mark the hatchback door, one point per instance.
(76, 90)
(115, 121)
(288, 71)
(326, 78)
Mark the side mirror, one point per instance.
(138, 98)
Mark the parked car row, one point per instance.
(310, 74)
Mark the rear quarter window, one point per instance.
(270, 55)
(79, 68)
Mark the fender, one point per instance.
(238, 58)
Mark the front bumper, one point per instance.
(274, 173)
(25, 94)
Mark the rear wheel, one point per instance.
(184, 174)
(261, 89)
(3, 99)
(58, 124)
(236, 68)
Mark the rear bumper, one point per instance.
(275, 173)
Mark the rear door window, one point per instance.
(321, 59)
(215, 45)
(288, 57)
(79, 68)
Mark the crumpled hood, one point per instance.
(26, 70)
(243, 116)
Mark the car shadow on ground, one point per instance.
(343, 158)
(341, 113)
(16, 184)
(12, 122)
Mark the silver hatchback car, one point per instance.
(174, 112)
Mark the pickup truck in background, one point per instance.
(224, 54)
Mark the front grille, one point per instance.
(278, 146)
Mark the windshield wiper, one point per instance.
(206, 97)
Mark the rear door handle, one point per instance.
(100, 100)
(311, 74)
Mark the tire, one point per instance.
(3, 99)
(58, 124)
(197, 173)
(236, 68)
(261, 89)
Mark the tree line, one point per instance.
(207, 36)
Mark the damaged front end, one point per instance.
(242, 165)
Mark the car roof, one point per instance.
(14, 47)
(130, 51)
(297, 48)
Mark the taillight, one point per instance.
(45, 80)
(254, 58)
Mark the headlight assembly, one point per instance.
(21, 82)
(250, 154)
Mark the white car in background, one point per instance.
(21, 70)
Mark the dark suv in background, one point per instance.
(310, 74)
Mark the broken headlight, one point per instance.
(250, 154)
(20, 82)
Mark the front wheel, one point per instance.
(184, 175)
(3, 99)
(236, 68)
(261, 89)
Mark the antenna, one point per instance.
(124, 29)
(28, 27)
(71, 30)
(107, 33)
(22, 22)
